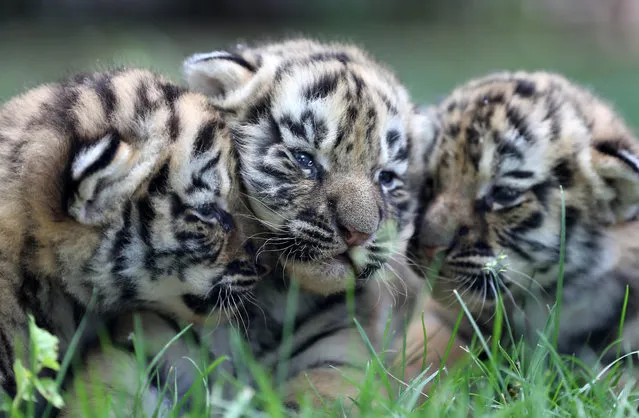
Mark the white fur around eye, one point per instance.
(394, 183)
(497, 206)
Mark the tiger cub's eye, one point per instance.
(504, 195)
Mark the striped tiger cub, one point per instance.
(322, 135)
(117, 186)
(507, 151)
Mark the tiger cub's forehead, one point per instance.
(342, 110)
(517, 126)
(200, 158)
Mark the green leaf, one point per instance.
(49, 390)
(45, 345)
(23, 380)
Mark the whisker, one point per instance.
(265, 206)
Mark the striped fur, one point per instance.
(323, 141)
(323, 136)
(122, 184)
(490, 196)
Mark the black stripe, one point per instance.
(541, 191)
(573, 215)
(308, 343)
(533, 221)
(105, 158)
(322, 304)
(16, 157)
(297, 129)
(563, 172)
(371, 123)
(322, 87)
(203, 305)
(204, 138)
(210, 164)
(511, 244)
(243, 268)
(104, 89)
(508, 149)
(318, 127)
(316, 235)
(525, 88)
(392, 137)
(233, 58)
(197, 183)
(159, 184)
(401, 155)
(491, 98)
(122, 241)
(273, 172)
(311, 216)
(172, 93)
(9, 383)
(142, 103)
(346, 127)
(329, 56)
(389, 106)
(552, 116)
(147, 215)
(612, 148)
(260, 109)
(58, 115)
(519, 174)
(30, 294)
(519, 123)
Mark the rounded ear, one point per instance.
(616, 162)
(218, 73)
(424, 128)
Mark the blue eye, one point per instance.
(386, 178)
(304, 160)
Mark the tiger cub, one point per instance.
(118, 186)
(323, 135)
(506, 149)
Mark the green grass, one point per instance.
(512, 379)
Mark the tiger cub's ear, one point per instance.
(616, 162)
(218, 73)
(424, 128)
(100, 180)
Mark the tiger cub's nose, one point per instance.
(354, 237)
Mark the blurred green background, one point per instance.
(431, 44)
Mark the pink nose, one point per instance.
(355, 238)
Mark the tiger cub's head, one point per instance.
(323, 142)
(147, 191)
(504, 147)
